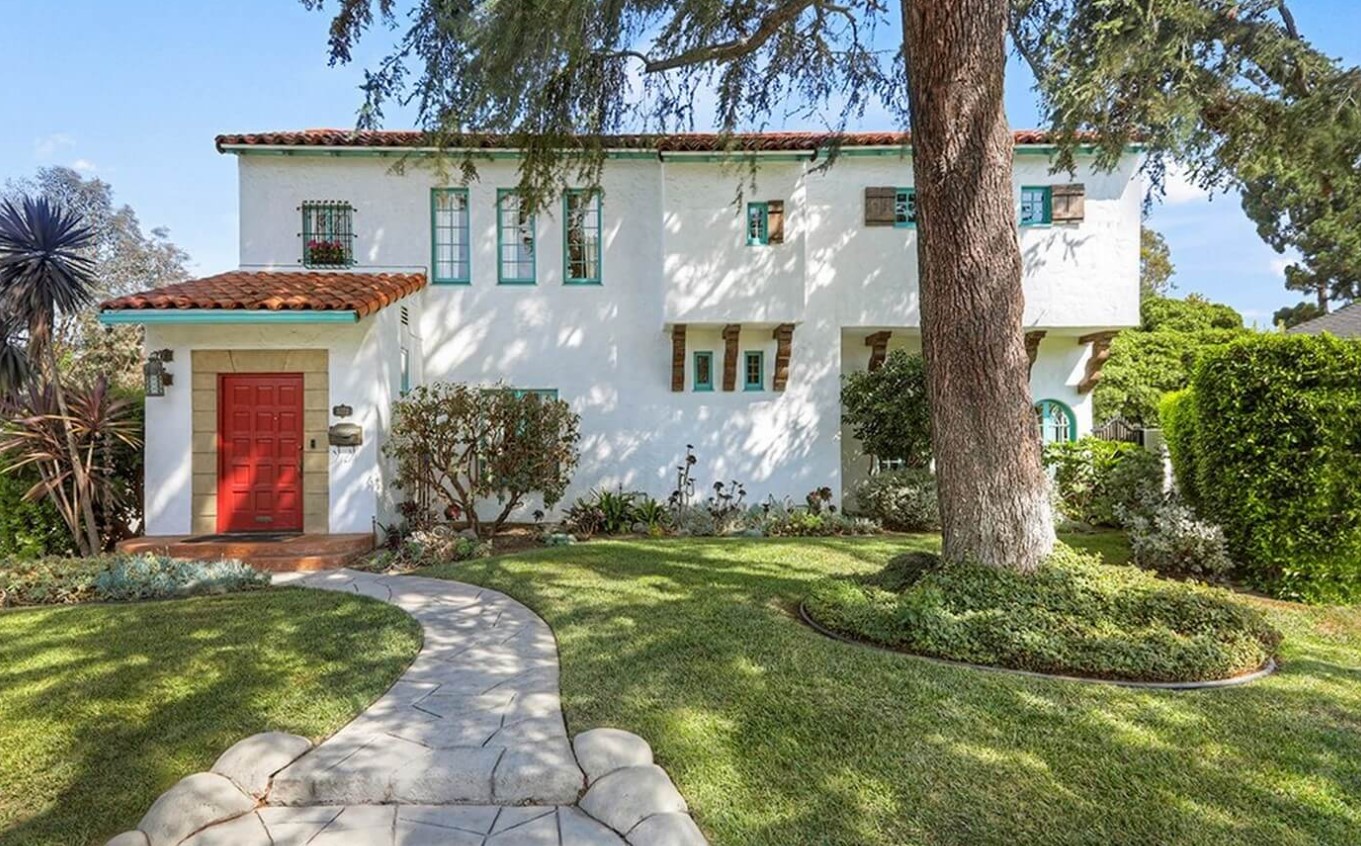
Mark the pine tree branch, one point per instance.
(727, 51)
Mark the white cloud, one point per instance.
(1179, 188)
(83, 166)
(47, 146)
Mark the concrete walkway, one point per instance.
(468, 748)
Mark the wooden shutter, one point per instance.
(879, 206)
(1069, 202)
(775, 222)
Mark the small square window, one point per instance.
(1037, 206)
(327, 234)
(758, 224)
(704, 371)
(754, 371)
(905, 208)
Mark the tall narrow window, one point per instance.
(754, 371)
(406, 371)
(514, 240)
(758, 224)
(581, 237)
(905, 208)
(450, 255)
(327, 233)
(1037, 207)
(704, 371)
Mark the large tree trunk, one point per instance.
(993, 492)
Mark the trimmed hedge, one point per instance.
(1267, 443)
(1074, 616)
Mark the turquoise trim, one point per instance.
(905, 195)
(759, 235)
(467, 277)
(1046, 197)
(222, 316)
(501, 277)
(594, 278)
(759, 384)
(705, 385)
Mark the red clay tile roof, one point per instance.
(270, 290)
(685, 142)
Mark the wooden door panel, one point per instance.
(260, 452)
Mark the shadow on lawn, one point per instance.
(118, 702)
(780, 736)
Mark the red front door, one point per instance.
(259, 472)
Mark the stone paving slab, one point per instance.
(476, 718)
(411, 825)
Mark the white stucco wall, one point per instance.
(674, 252)
(358, 378)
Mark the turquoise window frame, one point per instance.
(546, 394)
(761, 236)
(706, 385)
(903, 195)
(1045, 415)
(1046, 198)
(501, 277)
(436, 278)
(593, 196)
(760, 383)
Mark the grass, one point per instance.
(779, 736)
(105, 706)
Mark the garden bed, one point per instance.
(1074, 617)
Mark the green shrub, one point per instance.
(441, 544)
(902, 500)
(781, 519)
(1170, 540)
(1097, 480)
(116, 577)
(1073, 616)
(130, 577)
(1268, 445)
(29, 529)
(48, 581)
(887, 409)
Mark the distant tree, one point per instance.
(1155, 264)
(887, 409)
(1294, 315)
(125, 259)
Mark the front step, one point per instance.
(299, 552)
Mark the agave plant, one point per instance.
(34, 433)
(45, 270)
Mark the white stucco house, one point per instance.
(665, 310)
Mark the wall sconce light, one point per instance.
(154, 372)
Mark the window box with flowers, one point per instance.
(327, 234)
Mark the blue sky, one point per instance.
(134, 92)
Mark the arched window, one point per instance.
(1056, 420)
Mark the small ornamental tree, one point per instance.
(888, 411)
(466, 445)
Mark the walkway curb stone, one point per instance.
(469, 747)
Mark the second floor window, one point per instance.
(905, 207)
(327, 233)
(1037, 206)
(514, 240)
(754, 371)
(758, 224)
(450, 256)
(581, 237)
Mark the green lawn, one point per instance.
(779, 736)
(102, 707)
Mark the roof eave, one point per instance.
(222, 316)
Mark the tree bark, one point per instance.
(993, 491)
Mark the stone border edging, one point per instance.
(1214, 684)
